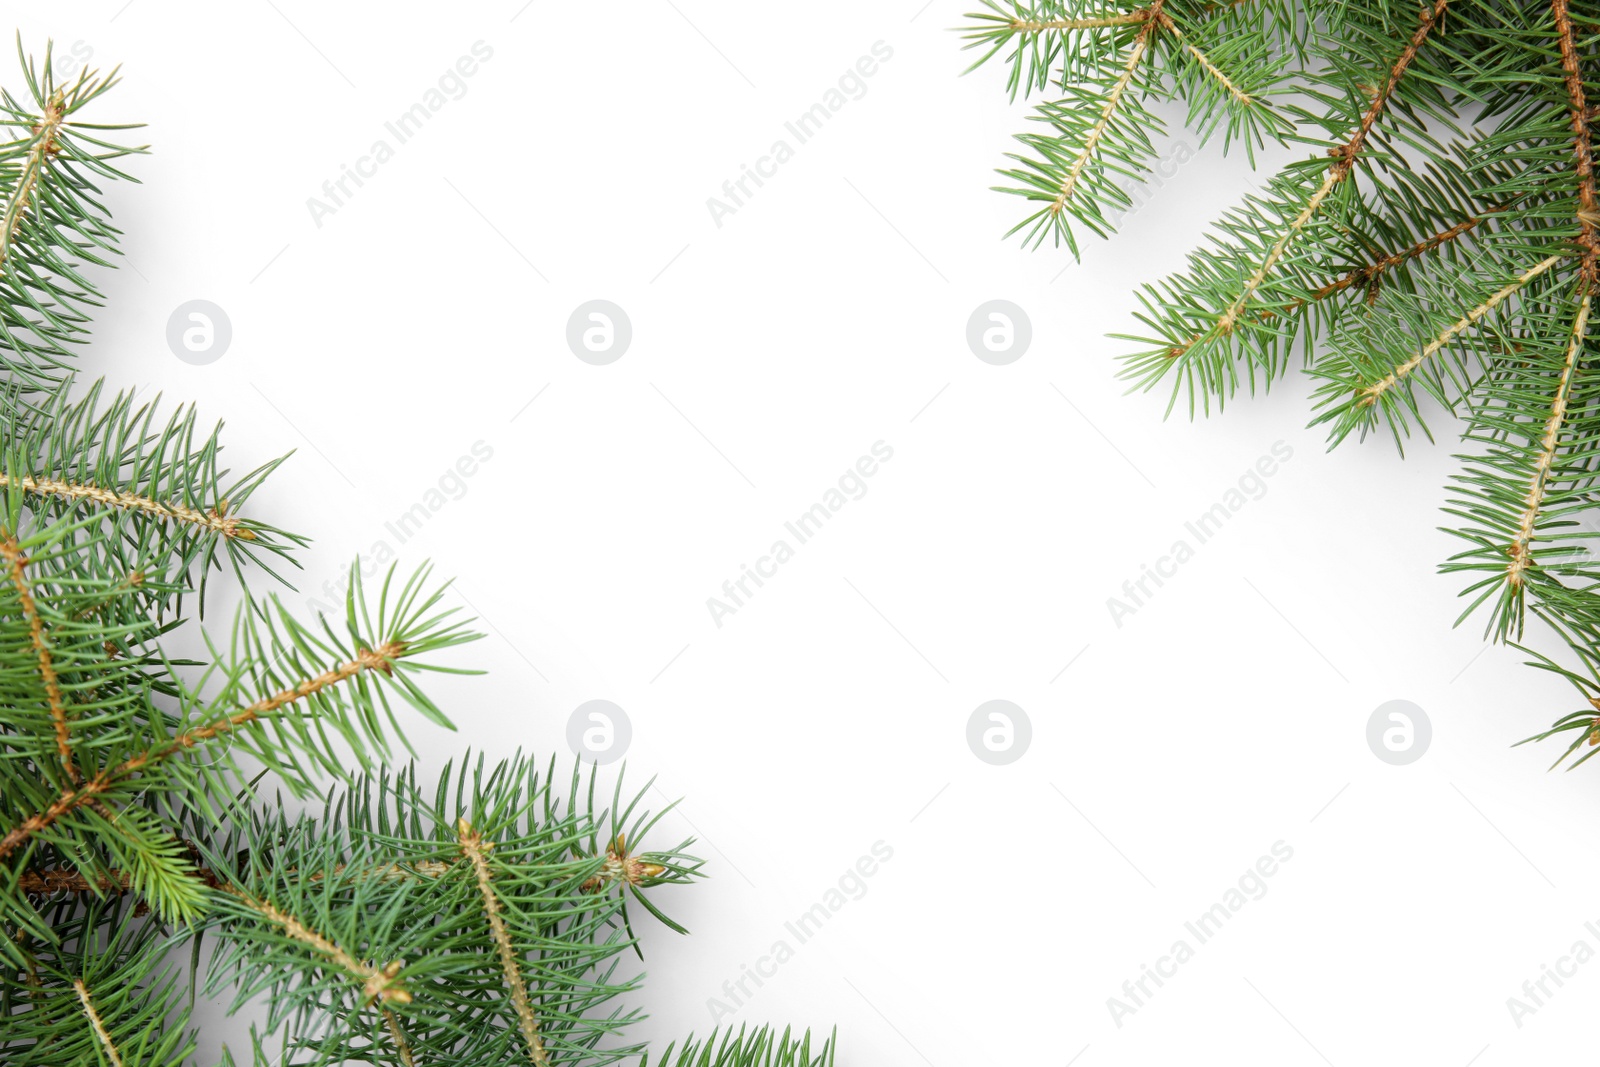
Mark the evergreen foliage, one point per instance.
(160, 828)
(1436, 252)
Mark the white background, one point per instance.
(829, 713)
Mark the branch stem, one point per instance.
(39, 153)
(1533, 503)
(1370, 395)
(1362, 275)
(217, 519)
(100, 1031)
(476, 849)
(16, 562)
(1372, 271)
(378, 983)
(61, 880)
(1205, 61)
(1132, 18)
(399, 1037)
(1582, 145)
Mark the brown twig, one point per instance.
(1364, 276)
(1582, 146)
(1370, 273)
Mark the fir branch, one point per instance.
(381, 659)
(1043, 33)
(1217, 315)
(101, 992)
(52, 221)
(1368, 277)
(494, 881)
(161, 500)
(1446, 248)
(1345, 157)
(1535, 425)
(1108, 63)
(99, 826)
(534, 839)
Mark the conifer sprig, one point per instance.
(486, 920)
(1107, 64)
(53, 222)
(294, 701)
(167, 511)
(1439, 251)
(470, 922)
